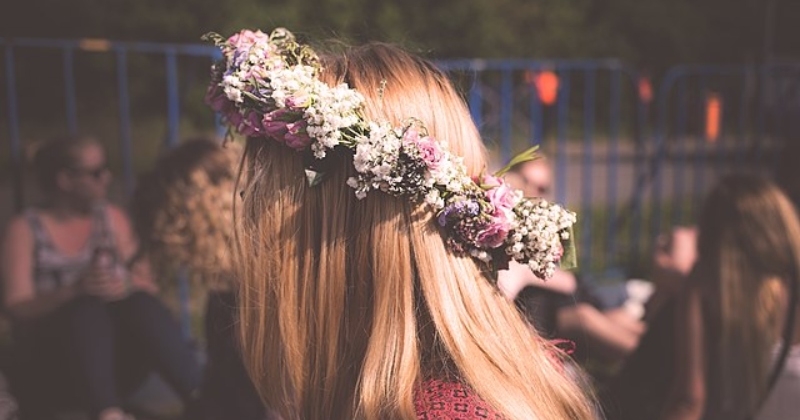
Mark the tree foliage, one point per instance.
(649, 32)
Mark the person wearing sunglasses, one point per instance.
(86, 323)
(565, 307)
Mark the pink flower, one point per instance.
(246, 38)
(430, 152)
(489, 181)
(233, 117)
(274, 125)
(251, 126)
(276, 129)
(501, 196)
(296, 137)
(493, 235)
(298, 101)
(411, 135)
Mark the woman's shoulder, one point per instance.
(19, 226)
(442, 399)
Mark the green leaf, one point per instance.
(525, 156)
(570, 258)
(214, 37)
(314, 177)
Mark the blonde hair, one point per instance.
(182, 210)
(348, 305)
(748, 252)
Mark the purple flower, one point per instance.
(459, 209)
(501, 196)
(251, 126)
(274, 124)
(296, 137)
(246, 38)
(430, 152)
(233, 117)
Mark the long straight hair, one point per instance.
(348, 305)
(748, 252)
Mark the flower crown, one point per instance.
(267, 86)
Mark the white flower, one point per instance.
(434, 199)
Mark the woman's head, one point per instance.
(348, 304)
(748, 253)
(749, 221)
(182, 208)
(534, 178)
(398, 86)
(73, 167)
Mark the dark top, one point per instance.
(640, 389)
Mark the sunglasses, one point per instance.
(542, 189)
(94, 173)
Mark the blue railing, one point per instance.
(627, 176)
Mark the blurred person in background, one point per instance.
(563, 306)
(724, 344)
(739, 307)
(86, 324)
(182, 210)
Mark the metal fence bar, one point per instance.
(587, 167)
(741, 132)
(69, 91)
(536, 116)
(126, 140)
(639, 172)
(476, 99)
(506, 110)
(701, 158)
(173, 139)
(197, 50)
(720, 150)
(680, 152)
(760, 117)
(563, 132)
(13, 129)
(173, 100)
(612, 157)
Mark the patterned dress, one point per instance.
(441, 400)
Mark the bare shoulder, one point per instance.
(117, 213)
(118, 217)
(17, 229)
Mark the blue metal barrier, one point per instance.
(745, 140)
(608, 165)
(121, 51)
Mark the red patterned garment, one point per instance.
(440, 400)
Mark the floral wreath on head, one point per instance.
(267, 86)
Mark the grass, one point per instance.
(629, 252)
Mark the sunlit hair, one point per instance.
(182, 210)
(347, 305)
(55, 155)
(748, 252)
